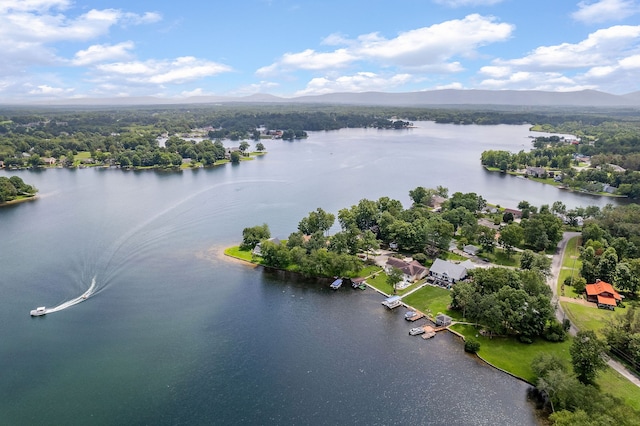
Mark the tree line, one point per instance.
(11, 188)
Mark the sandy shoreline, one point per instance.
(21, 200)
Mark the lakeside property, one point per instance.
(504, 353)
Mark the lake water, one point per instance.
(178, 335)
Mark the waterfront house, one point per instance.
(517, 214)
(603, 294)
(444, 270)
(538, 172)
(257, 250)
(412, 271)
(48, 161)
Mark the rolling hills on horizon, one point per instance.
(444, 97)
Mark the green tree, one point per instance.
(244, 145)
(487, 239)
(394, 276)
(252, 236)
(510, 237)
(274, 254)
(438, 233)
(235, 157)
(35, 161)
(318, 220)
(368, 242)
(421, 195)
(586, 355)
(260, 147)
(607, 264)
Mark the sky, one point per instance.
(61, 49)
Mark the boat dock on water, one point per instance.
(413, 315)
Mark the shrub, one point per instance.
(525, 339)
(471, 346)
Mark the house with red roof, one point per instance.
(603, 294)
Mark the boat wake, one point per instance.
(68, 303)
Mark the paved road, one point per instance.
(556, 265)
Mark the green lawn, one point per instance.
(82, 155)
(453, 257)
(590, 318)
(379, 281)
(511, 355)
(610, 381)
(499, 257)
(515, 357)
(432, 299)
(239, 254)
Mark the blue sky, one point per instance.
(54, 49)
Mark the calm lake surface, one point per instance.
(178, 335)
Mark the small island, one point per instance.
(14, 190)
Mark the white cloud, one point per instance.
(32, 5)
(600, 47)
(495, 71)
(30, 29)
(260, 87)
(103, 53)
(604, 10)
(360, 82)
(311, 60)
(454, 85)
(459, 3)
(547, 81)
(607, 59)
(160, 72)
(424, 49)
(49, 91)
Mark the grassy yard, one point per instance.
(432, 299)
(499, 257)
(379, 281)
(515, 357)
(511, 355)
(590, 318)
(610, 381)
(454, 257)
(239, 254)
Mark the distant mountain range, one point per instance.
(446, 97)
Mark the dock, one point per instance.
(415, 317)
(430, 331)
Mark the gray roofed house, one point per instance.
(257, 250)
(471, 249)
(412, 271)
(449, 271)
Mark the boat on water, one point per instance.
(336, 284)
(415, 331)
(39, 311)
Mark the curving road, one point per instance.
(552, 281)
